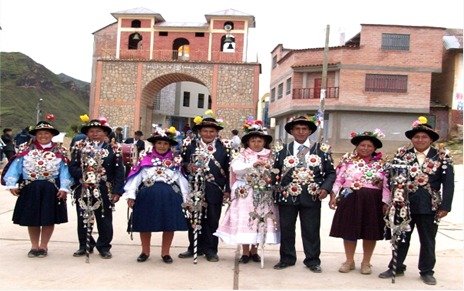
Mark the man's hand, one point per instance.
(114, 198)
(441, 213)
(62, 195)
(130, 203)
(322, 194)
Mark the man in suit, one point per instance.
(137, 140)
(98, 171)
(429, 169)
(209, 157)
(306, 177)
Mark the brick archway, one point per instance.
(124, 91)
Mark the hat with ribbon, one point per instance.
(44, 125)
(100, 123)
(308, 120)
(207, 120)
(421, 125)
(168, 134)
(373, 136)
(252, 128)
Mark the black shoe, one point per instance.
(429, 279)
(142, 257)
(212, 258)
(42, 253)
(33, 253)
(389, 273)
(167, 259)
(315, 269)
(244, 259)
(189, 254)
(106, 255)
(81, 252)
(282, 265)
(256, 258)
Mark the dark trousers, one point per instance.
(207, 242)
(310, 222)
(104, 220)
(427, 230)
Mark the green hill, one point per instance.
(24, 82)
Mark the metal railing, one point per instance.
(314, 93)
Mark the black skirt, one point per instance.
(38, 205)
(359, 216)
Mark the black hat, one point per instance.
(168, 134)
(138, 132)
(306, 120)
(96, 123)
(373, 136)
(255, 128)
(207, 120)
(420, 125)
(44, 125)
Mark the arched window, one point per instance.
(136, 23)
(135, 41)
(228, 43)
(181, 49)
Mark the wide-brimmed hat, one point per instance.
(96, 123)
(306, 120)
(44, 125)
(373, 136)
(207, 120)
(168, 134)
(255, 128)
(421, 125)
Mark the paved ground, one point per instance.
(60, 270)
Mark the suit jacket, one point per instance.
(421, 199)
(221, 178)
(112, 163)
(140, 144)
(324, 175)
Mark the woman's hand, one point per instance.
(14, 191)
(62, 195)
(333, 201)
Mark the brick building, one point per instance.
(381, 78)
(141, 53)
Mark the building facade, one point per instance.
(381, 78)
(140, 54)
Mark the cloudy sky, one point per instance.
(58, 33)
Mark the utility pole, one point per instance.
(323, 86)
(39, 110)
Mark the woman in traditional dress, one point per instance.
(39, 176)
(155, 189)
(363, 197)
(252, 217)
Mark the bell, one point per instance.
(136, 36)
(230, 46)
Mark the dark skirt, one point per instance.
(158, 208)
(37, 205)
(359, 216)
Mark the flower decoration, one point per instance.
(252, 125)
(291, 161)
(377, 133)
(198, 119)
(50, 117)
(420, 121)
(294, 189)
(313, 160)
(103, 120)
(313, 118)
(84, 118)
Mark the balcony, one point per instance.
(314, 93)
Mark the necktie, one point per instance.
(301, 154)
(420, 157)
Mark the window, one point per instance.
(136, 23)
(386, 83)
(201, 100)
(274, 61)
(210, 102)
(199, 34)
(186, 102)
(280, 90)
(163, 33)
(395, 42)
(273, 95)
(288, 86)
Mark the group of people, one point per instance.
(266, 187)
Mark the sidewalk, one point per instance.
(60, 270)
